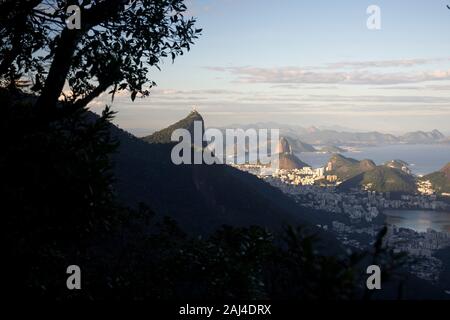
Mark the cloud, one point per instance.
(384, 63)
(235, 99)
(381, 98)
(343, 72)
(299, 75)
(436, 87)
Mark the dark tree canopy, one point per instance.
(58, 178)
(117, 45)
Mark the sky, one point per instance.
(306, 63)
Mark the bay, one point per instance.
(422, 158)
(419, 220)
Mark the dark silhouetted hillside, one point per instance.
(201, 197)
(164, 135)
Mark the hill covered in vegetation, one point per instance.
(345, 168)
(440, 180)
(382, 179)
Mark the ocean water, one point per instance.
(423, 158)
(419, 220)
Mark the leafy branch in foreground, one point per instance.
(118, 44)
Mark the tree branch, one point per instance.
(103, 86)
(65, 49)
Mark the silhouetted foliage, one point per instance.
(117, 45)
(59, 205)
(389, 262)
(232, 263)
(62, 211)
(56, 184)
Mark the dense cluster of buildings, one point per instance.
(305, 176)
(420, 247)
(415, 243)
(351, 235)
(357, 204)
(315, 189)
(425, 187)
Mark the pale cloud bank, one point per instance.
(385, 63)
(381, 72)
(299, 75)
(332, 93)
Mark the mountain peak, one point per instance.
(398, 164)
(286, 158)
(312, 129)
(194, 112)
(367, 164)
(195, 115)
(283, 146)
(423, 137)
(164, 135)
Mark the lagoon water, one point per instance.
(423, 158)
(419, 220)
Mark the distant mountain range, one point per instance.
(393, 176)
(329, 137)
(423, 137)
